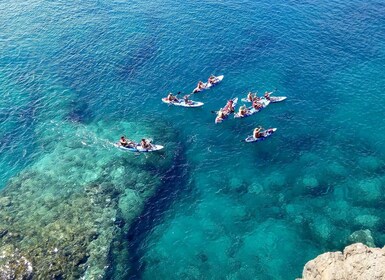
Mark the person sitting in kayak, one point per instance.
(229, 106)
(267, 95)
(257, 105)
(145, 144)
(186, 100)
(221, 114)
(212, 79)
(251, 96)
(126, 143)
(123, 142)
(199, 87)
(242, 110)
(172, 98)
(257, 132)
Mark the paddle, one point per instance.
(177, 100)
(185, 94)
(273, 91)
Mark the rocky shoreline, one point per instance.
(60, 216)
(356, 262)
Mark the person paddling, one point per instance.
(186, 100)
(229, 106)
(220, 115)
(145, 144)
(257, 105)
(171, 97)
(257, 132)
(242, 110)
(251, 96)
(199, 87)
(212, 79)
(126, 143)
(267, 95)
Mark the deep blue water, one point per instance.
(239, 211)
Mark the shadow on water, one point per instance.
(175, 184)
(80, 111)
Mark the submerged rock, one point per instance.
(337, 169)
(368, 221)
(362, 236)
(61, 215)
(356, 262)
(367, 191)
(370, 163)
(13, 265)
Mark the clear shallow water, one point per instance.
(237, 211)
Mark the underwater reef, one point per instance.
(60, 217)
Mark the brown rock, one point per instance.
(357, 262)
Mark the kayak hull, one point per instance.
(251, 110)
(266, 133)
(139, 149)
(218, 79)
(273, 99)
(181, 103)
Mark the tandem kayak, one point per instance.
(140, 149)
(273, 99)
(251, 110)
(218, 79)
(226, 113)
(182, 103)
(266, 133)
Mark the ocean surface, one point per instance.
(234, 210)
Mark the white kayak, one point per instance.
(273, 99)
(218, 79)
(251, 110)
(264, 134)
(138, 148)
(181, 102)
(227, 114)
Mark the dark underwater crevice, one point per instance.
(126, 254)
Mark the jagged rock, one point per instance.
(357, 262)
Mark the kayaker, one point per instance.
(186, 100)
(145, 144)
(212, 79)
(171, 97)
(221, 115)
(199, 87)
(229, 106)
(251, 96)
(123, 142)
(257, 132)
(257, 105)
(242, 110)
(267, 95)
(126, 143)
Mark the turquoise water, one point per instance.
(234, 210)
